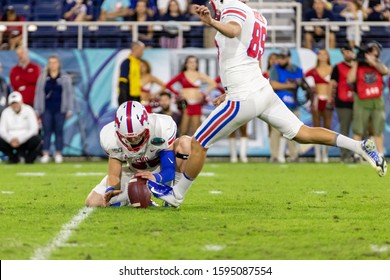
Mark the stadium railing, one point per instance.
(285, 28)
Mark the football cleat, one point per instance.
(371, 154)
(165, 193)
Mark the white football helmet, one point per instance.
(132, 127)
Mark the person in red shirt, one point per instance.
(190, 80)
(24, 76)
(321, 104)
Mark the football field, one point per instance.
(255, 211)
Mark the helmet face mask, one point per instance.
(132, 127)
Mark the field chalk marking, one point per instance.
(83, 174)
(380, 249)
(207, 174)
(7, 192)
(31, 174)
(215, 192)
(43, 253)
(320, 192)
(214, 247)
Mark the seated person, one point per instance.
(78, 10)
(12, 37)
(141, 14)
(114, 10)
(316, 37)
(19, 130)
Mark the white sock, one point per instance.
(182, 187)
(348, 143)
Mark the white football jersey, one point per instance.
(162, 131)
(239, 56)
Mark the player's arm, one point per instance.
(230, 29)
(113, 179)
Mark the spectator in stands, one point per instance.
(190, 80)
(377, 11)
(195, 35)
(367, 75)
(354, 12)
(338, 7)
(271, 61)
(54, 102)
(316, 37)
(307, 5)
(165, 102)
(170, 37)
(130, 75)
(152, 10)
(285, 78)
(163, 6)
(114, 10)
(19, 131)
(145, 32)
(12, 37)
(24, 76)
(4, 91)
(343, 95)
(78, 10)
(147, 82)
(318, 79)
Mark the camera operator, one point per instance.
(367, 74)
(285, 78)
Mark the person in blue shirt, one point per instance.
(315, 38)
(114, 10)
(285, 78)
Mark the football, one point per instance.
(138, 192)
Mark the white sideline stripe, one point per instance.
(214, 247)
(82, 174)
(44, 253)
(207, 174)
(7, 192)
(37, 174)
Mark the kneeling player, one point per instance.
(147, 144)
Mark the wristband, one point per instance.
(110, 189)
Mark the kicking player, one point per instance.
(147, 144)
(240, 41)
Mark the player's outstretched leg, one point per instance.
(371, 154)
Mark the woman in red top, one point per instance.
(322, 102)
(190, 80)
(147, 82)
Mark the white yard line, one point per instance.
(43, 253)
(31, 174)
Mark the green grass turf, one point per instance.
(264, 211)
